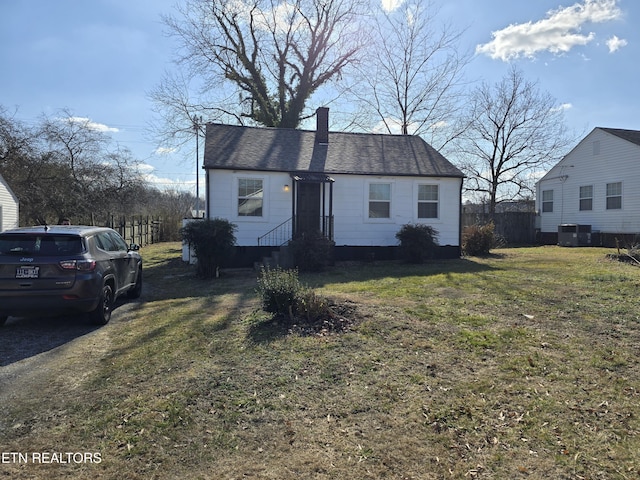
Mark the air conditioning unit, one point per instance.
(574, 235)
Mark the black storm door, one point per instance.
(308, 208)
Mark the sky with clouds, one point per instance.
(100, 58)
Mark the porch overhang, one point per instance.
(300, 206)
(311, 177)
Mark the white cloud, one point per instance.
(86, 122)
(170, 183)
(615, 43)
(563, 107)
(164, 150)
(440, 124)
(391, 5)
(145, 168)
(558, 33)
(149, 174)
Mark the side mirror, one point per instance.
(134, 247)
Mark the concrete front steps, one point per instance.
(281, 258)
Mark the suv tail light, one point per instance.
(81, 265)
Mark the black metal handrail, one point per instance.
(277, 236)
(327, 227)
(282, 233)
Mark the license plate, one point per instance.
(27, 272)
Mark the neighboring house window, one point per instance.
(379, 200)
(586, 197)
(427, 201)
(547, 200)
(614, 196)
(250, 196)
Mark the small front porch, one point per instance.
(311, 210)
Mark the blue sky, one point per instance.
(100, 59)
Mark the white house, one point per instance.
(8, 207)
(597, 184)
(357, 189)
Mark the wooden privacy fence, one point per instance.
(517, 228)
(137, 229)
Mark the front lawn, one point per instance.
(520, 365)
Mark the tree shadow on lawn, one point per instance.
(345, 272)
(176, 280)
(186, 321)
(267, 330)
(24, 337)
(335, 319)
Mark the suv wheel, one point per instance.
(102, 314)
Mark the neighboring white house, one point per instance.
(8, 207)
(357, 189)
(597, 184)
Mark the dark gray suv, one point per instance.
(56, 269)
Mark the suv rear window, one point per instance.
(40, 245)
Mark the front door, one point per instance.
(308, 208)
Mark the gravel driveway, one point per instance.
(43, 351)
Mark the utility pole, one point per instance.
(196, 126)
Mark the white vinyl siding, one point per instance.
(615, 200)
(8, 207)
(352, 225)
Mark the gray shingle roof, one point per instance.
(288, 150)
(632, 136)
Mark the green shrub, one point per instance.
(478, 240)
(283, 295)
(279, 291)
(417, 242)
(312, 307)
(212, 242)
(311, 252)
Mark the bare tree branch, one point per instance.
(259, 60)
(513, 130)
(413, 73)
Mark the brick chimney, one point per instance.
(322, 125)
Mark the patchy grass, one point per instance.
(519, 365)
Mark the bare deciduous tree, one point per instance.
(16, 141)
(513, 130)
(74, 171)
(257, 60)
(74, 141)
(37, 163)
(411, 82)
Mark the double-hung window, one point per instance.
(614, 196)
(547, 200)
(428, 201)
(379, 200)
(250, 197)
(586, 197)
